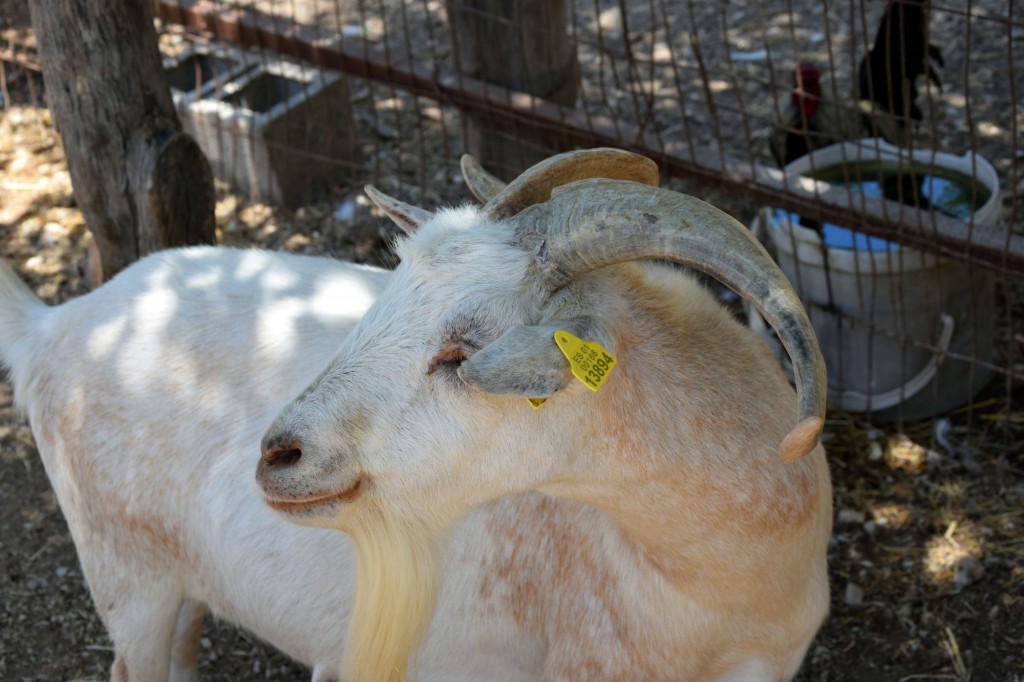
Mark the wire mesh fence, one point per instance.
(909, 257)
(698, 87)
(917, 317)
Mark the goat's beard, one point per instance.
(397, 583)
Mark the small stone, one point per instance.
(854, 594)
(968, 570)
(37, 583)
(345, 210)
(903, 453)
(373, 29)
(53, 233)
(61, 571)
(296, 242)
(30, 227)
(55, 230)
(226, 207)
(876, 452)
(850, 516)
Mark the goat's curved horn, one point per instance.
(593, 223)
(535, 184)
(482, 184)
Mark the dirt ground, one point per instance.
(926, 559)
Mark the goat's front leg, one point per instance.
(142, 623)
(185, 647)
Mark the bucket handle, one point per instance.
(855, 401)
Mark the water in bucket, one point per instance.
(948, 192)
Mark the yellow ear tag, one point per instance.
(589, 361)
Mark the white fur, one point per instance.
(560, 559)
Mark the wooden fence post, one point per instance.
(141, 182)
(523, 45)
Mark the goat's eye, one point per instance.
(449, 357)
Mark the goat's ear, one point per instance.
(524, 361)
(409, 218)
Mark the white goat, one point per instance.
(148, 398)
(648, 531)
(671, 541)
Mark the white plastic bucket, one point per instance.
(899, 328)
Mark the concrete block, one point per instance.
(201, 71)
(281, 132)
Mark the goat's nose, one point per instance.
(282, 451)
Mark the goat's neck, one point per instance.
(679, 466)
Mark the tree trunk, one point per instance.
(141, 183)
(522, 45)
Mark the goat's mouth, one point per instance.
(307, 506)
